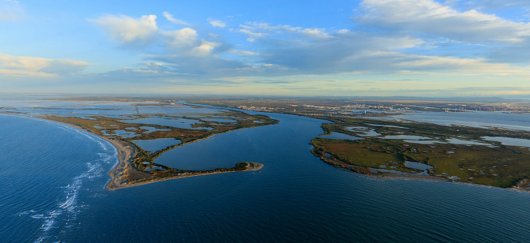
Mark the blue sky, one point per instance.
(324, 48)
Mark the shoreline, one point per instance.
(136, 166)
(175, 177)
(120, 149)
(389, 176)
(123, 155)
(523, 185)
(126, 153)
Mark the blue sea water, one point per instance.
(295, 197)
(48, 173)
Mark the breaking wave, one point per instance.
(68, 205)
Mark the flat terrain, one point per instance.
(360, 139)
(137, 166)
(453, 152)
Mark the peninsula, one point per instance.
(362, 136)
(136, 165)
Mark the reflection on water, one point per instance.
(164, 121)
(406, 137)
(509, 141)
(295, 197)
(219, 119)
(125, 134)
(154, 145)
(467, 142)
(152, 129)
(417, 166)
(512, 121)
(340, 136)
(363, 131)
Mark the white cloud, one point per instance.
(169, 17)
(319, 33)
(256, 30)
(496, 4)
(285, 50)
(205, 48)
(126, 29)
(182, 38)
(37, 67)
(462, 65)
(243, 52)
(252, 35)
(341, 52)
(432, 18)
(217, 23)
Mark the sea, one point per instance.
(52, 189)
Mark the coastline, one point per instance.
(522, 185)
(125, 153)
(122, 171)
(182, 176)
(136, 166)
(389, 176)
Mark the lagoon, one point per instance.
(295, 197)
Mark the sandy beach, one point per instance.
(124, 175)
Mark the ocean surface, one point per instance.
(49, 174)
(52, 189)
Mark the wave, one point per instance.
(59, 216)
(69, 207)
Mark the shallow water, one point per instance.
(169, 122)
(220, 120)
(340, 136)
(406, 137)
(152, 129)
(154, 145)
(467, 142)
(512, 121)
(363, 131)
(177, 109)
(509, 141)
(417, 165)
(295, 197)
(125, 134)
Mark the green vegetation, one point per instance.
(144, 169)
(495, 165)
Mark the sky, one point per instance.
(427, 48)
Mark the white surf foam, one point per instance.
(68, 207)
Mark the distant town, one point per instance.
(359, 107)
